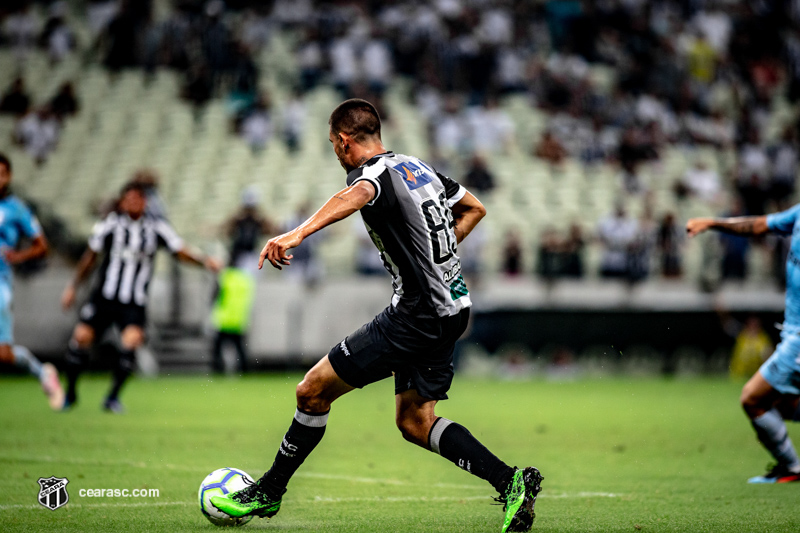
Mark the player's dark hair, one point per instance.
(133, 186)
(128, 187)
(357, 118)
(4, 160)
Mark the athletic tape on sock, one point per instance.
(24, 357)
(771, 431)
(313, 421)
(436, 433)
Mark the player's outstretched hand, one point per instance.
(275, 250)
(696, 226)
(68, 297)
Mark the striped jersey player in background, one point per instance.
(128, 238)
(17, 222)
(415, 217)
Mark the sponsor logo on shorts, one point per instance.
(452, 273)
(343, 346)
(87, 311)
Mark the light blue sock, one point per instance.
(771, 431)
(23, 358)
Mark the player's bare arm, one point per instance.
(37, 249)
(85, 266)
(745, 226)
(191, 257)
(467, 213)
(340, 206)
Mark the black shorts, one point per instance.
(100, 314)
(419, 352)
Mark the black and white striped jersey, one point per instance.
(411, 223)
(130, 247)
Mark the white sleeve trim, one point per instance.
(170, 236)
(375, 183)
(99, 232)
(453, 200)
(371, 174)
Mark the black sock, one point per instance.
(455, 443)
(796, 414)
(75, 361)
(303, 436)
(125, 365)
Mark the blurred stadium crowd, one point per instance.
(592, 129)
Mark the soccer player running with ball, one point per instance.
(415, 216)
(16, 222)
(128, 239)
(771, 395)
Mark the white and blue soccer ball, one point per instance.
(217, 483)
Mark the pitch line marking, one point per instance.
(313, 475)
(407, 499)
(385, 481)
(321, 499)
(95, 505)
(141, 464)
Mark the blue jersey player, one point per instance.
(18, 223)
(773, 393)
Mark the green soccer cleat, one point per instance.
(250, 501)
(519, 499)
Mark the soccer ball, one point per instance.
(220, 482)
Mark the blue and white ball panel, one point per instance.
(6, 317)
(782, 369)
(221, 482)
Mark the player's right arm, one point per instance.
(745, 226)
(340, 206)
(85, 266)
(99, 240)
(30, 227)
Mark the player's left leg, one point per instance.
(237, 339)
(20, 356)
(217, 365)
(418, 423)
(766, 407)
(320, 387)
(131, 338)
(46, 373)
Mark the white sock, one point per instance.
(771, 431)
(23, 358)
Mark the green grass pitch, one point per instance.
(617, 455)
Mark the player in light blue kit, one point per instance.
(17, 222)
(771, 396)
